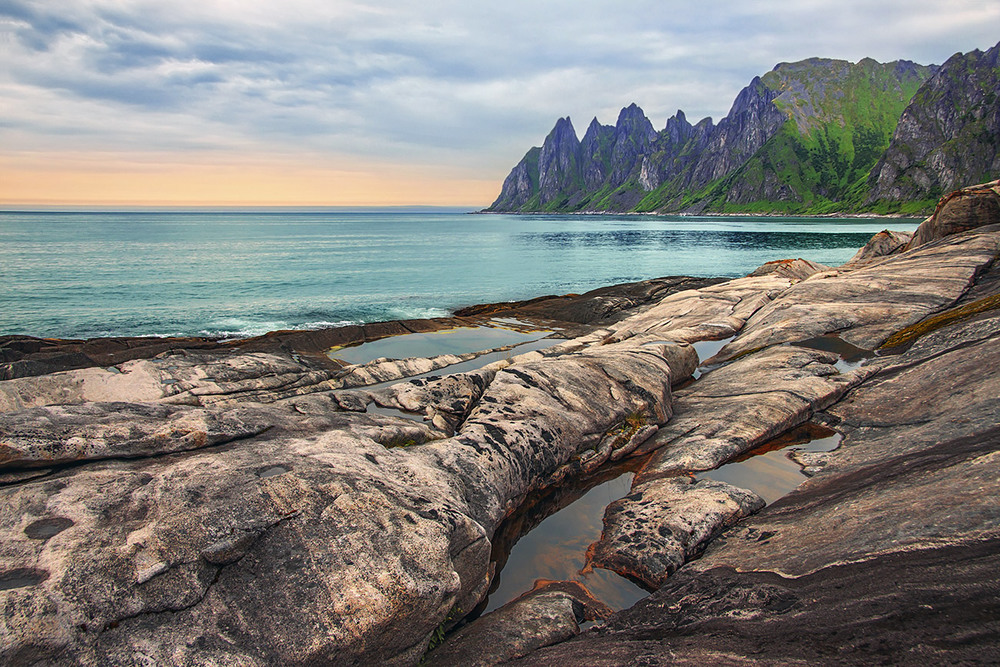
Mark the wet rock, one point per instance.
(661, 525)
(358, 550)
(865, 306)
(889, 545)
(548, 614)
(741, 405)
(599, 305)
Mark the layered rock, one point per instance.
(887, 544)
(948, 135)
(175, 533)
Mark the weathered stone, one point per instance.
(883, 244)
(867, 305)
(355, 550)
(961, 211)
(738, 406)
(889, 546)
(799, 269)
(660, 525)
(63, 434)
(548, 614)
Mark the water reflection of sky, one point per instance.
(557, 549)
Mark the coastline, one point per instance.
(858, 216)
(568, 314)
(242, 487)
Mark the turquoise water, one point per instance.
(235, 272)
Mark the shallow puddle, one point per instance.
(768, 471)
(376, 409)
(563, 523)
(484, 359)
(707, 349)
(851, 356)
(460, 340)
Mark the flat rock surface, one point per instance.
(548, 614)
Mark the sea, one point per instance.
(236, 272)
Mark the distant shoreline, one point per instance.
(858, 216)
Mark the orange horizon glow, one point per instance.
(74, 179)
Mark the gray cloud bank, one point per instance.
(457, 84)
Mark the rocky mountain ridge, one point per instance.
(815, 136)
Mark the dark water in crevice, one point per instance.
(768, 470)
(851, 356)
(707, 349)
(548, 537)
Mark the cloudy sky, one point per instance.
(391, 102)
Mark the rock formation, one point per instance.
(949, 134)
(814, 136)
(233, 504)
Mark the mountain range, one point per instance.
(811, 137)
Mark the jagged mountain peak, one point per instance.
(563, 129)
(803, 137)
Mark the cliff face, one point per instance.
(815, 136)
(948, 135)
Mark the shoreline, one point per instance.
(372, 516)
(568, 314)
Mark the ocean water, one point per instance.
(241, 272)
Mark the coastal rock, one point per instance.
(548, 614)
(888, 545)
(799, 269)
(25, 356)
(888, 548)
(659, 526)
(604, 304)
(961, 211)
(355, 549)
(41, 437)
(865, 306)
(734, 408)
(360, 536)
(883, 244)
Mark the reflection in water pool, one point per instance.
(767, 470)
(563, 523)
(460, 340)
(851, 356)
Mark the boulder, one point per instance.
(960, 211)
(548, 614)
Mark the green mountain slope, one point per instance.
(810, 137)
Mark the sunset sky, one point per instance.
(327, 102)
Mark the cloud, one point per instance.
(468, 86)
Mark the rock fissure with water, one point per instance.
(227, 505)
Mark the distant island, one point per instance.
(817, 136)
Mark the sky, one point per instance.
(331, 102)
